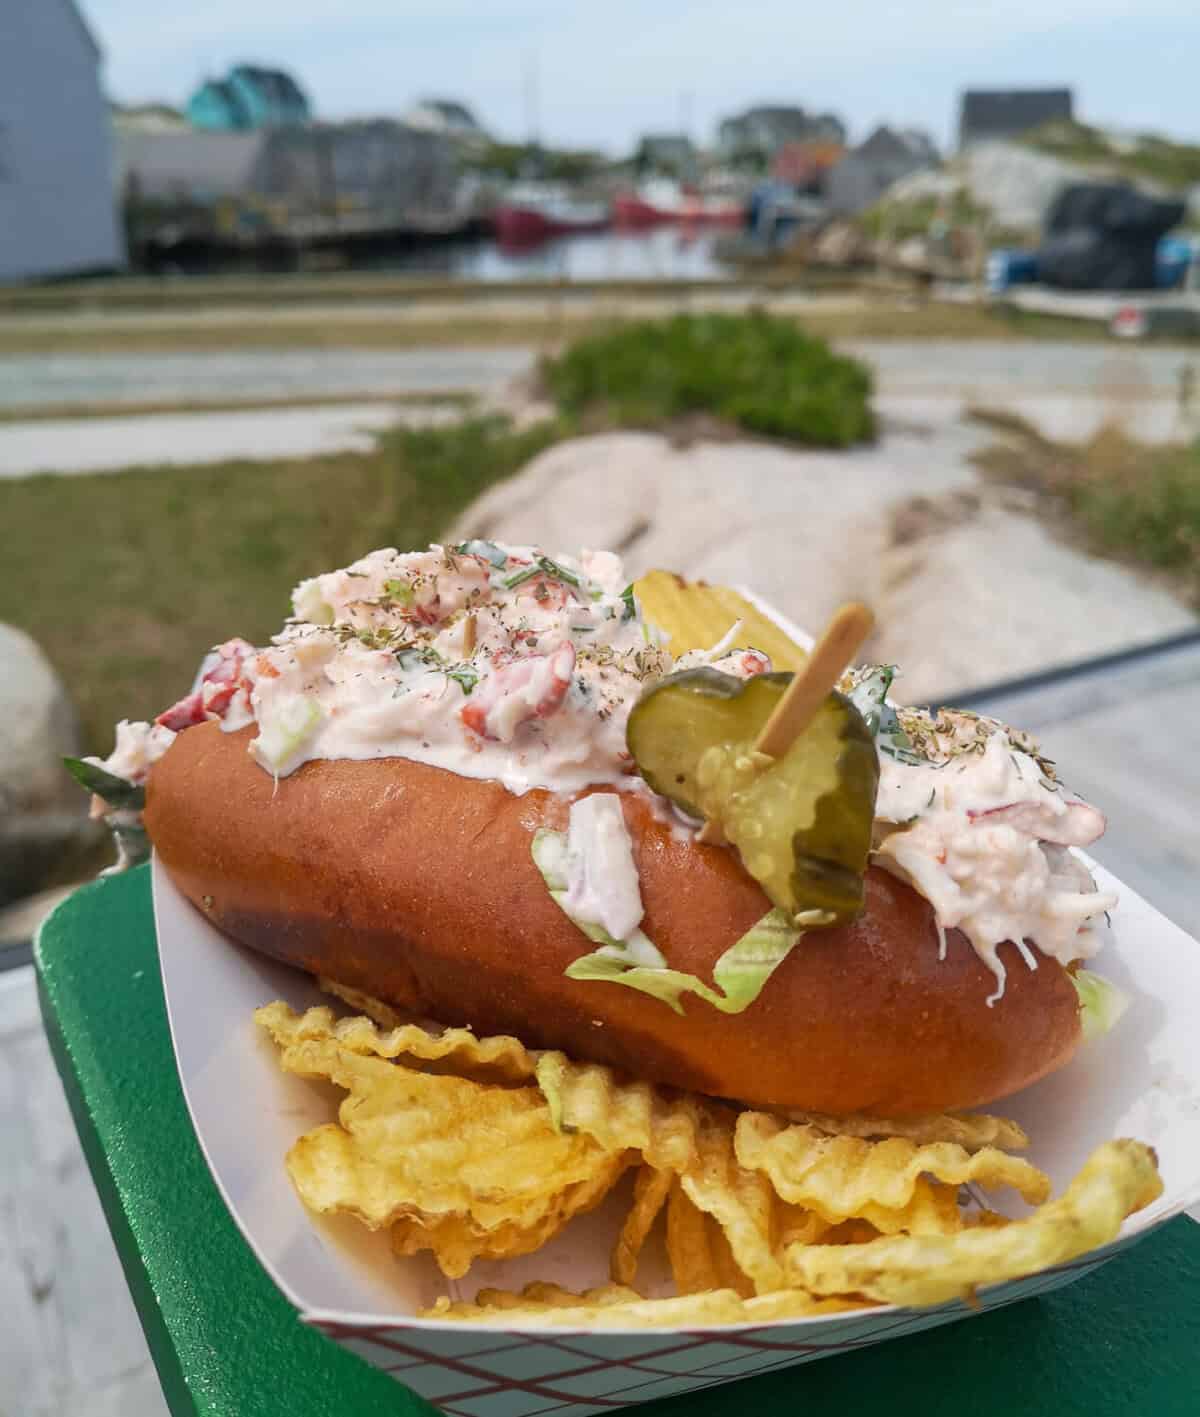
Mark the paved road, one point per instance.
(78, 445)
(969, 368)
(250, 374)
(1067, 390)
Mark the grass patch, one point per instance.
(758, 372)
(1148, 156)
(1118, 497)
(124, 579)
(43, 412)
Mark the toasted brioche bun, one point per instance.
(417, 886)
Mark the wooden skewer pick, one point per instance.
(833, 652)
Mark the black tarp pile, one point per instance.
(1103, 236)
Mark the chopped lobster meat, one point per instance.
(216, 689)
(187, 713)
(519, 690)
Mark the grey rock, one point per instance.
(43, 815)
(967, 589)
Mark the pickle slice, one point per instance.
(801, 823)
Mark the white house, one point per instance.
(57, 209)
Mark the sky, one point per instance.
(598, 74)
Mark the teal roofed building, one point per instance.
(249, 97)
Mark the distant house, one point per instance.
(248, 97)
(760, 132)
(805, 165)
(671, 153)
(57, 214)
(450, 118)
(867, 171)
(997, 114)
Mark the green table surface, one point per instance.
(1125, 1339)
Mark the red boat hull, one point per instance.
(523, 226)
(634, 213)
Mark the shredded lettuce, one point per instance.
(284, 733)
(1101, 1003)
(637, 962)
(309, 605)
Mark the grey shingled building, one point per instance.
(997, 114)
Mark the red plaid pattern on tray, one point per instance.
(473, 1372)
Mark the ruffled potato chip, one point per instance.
(410, 1144)
(650, 1190)
(970, 1130)
(1119, 1178)
(700, 1257)
(534, 1298)
(608, 1307)
(453, 1050)
(618, 1113)
(695, 615)
(843, 1178)
(457, 1241)
(740, 1201)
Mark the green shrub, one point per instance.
(758, 371)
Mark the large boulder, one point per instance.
(967, 589)
(43, 814)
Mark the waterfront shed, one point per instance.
(57, 213)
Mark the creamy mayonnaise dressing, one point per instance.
(501, 662)
(602, 877)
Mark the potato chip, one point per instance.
(410, 1143)
(846, 1177)
(456, 1050)
(375, 1009)
(700, 1257)
(650, 1189)
(536, 1297)
(1119, 1178)
(618, 1113)
(740, 1201)
(605, 1308)
(970, 1130)
(695, 616)
(456, 1242)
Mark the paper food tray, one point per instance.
(1142, 1080)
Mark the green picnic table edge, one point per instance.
(225, 1341)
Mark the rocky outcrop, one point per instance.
(43, 814)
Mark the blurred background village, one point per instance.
(935, 347)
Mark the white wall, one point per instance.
(57, 207)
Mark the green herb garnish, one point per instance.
(488, 550)
(543, 566)
(399, 591)
(629, 603)
(869, 697)
(464, 676)
(119, 794)
(410, 656)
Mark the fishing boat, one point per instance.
(534, 211)
(662, 200)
